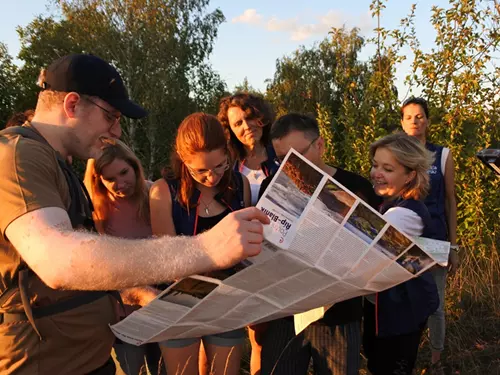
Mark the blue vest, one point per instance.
(405, 308)
(435, 201)
(268, 166)
(185, 220)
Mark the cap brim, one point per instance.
(128, 108)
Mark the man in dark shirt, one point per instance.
(334, 341)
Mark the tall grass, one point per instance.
(473, 317)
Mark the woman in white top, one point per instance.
(247, 119)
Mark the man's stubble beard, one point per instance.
(77, 148)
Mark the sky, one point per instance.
(256, 34)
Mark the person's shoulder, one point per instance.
(353, 181)
(20, 153)
(163, 190)
(405, 219)
(415, 205)
(349, 176)
(412, 204)
(359, 185)
(164, 183)
(18, 142)
(433, 147)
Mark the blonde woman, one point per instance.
(395, 318)
(120, 195)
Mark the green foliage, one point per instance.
(329, 80)
(8, 85)
(462, 86)
(245, 86)
(42, 41)
(160, 48)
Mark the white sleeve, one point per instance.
(444, 157)
(407, 221)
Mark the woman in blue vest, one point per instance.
(442, 206)
(395, 318)
(200, 191)
(248, 118)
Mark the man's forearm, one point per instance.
(65, 259)
(120, 263)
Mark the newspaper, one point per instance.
(324, 245)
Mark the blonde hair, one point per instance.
(115, 149)
(413, 156)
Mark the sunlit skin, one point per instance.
(119, 179)
(95, 123)
(207, 168)
(312, 149)
(388, 176)
(248, 131)
(414, 121)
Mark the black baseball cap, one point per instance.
(90, 75)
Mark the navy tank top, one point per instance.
(435, 201)
(187, 222)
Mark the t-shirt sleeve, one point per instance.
(405, 220)
(30, 180)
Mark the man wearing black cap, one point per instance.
(53, 319)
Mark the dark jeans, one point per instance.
(394, 355)
(333, 349)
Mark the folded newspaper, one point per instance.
(324, 245)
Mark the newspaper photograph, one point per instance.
(324, 245)
(287, 198)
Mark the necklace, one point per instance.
(207, 206)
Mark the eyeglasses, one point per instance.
(204, 172)
(279, 159)
(110, 116)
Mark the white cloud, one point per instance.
(298, 30)
(249, 16)
(275, 24)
